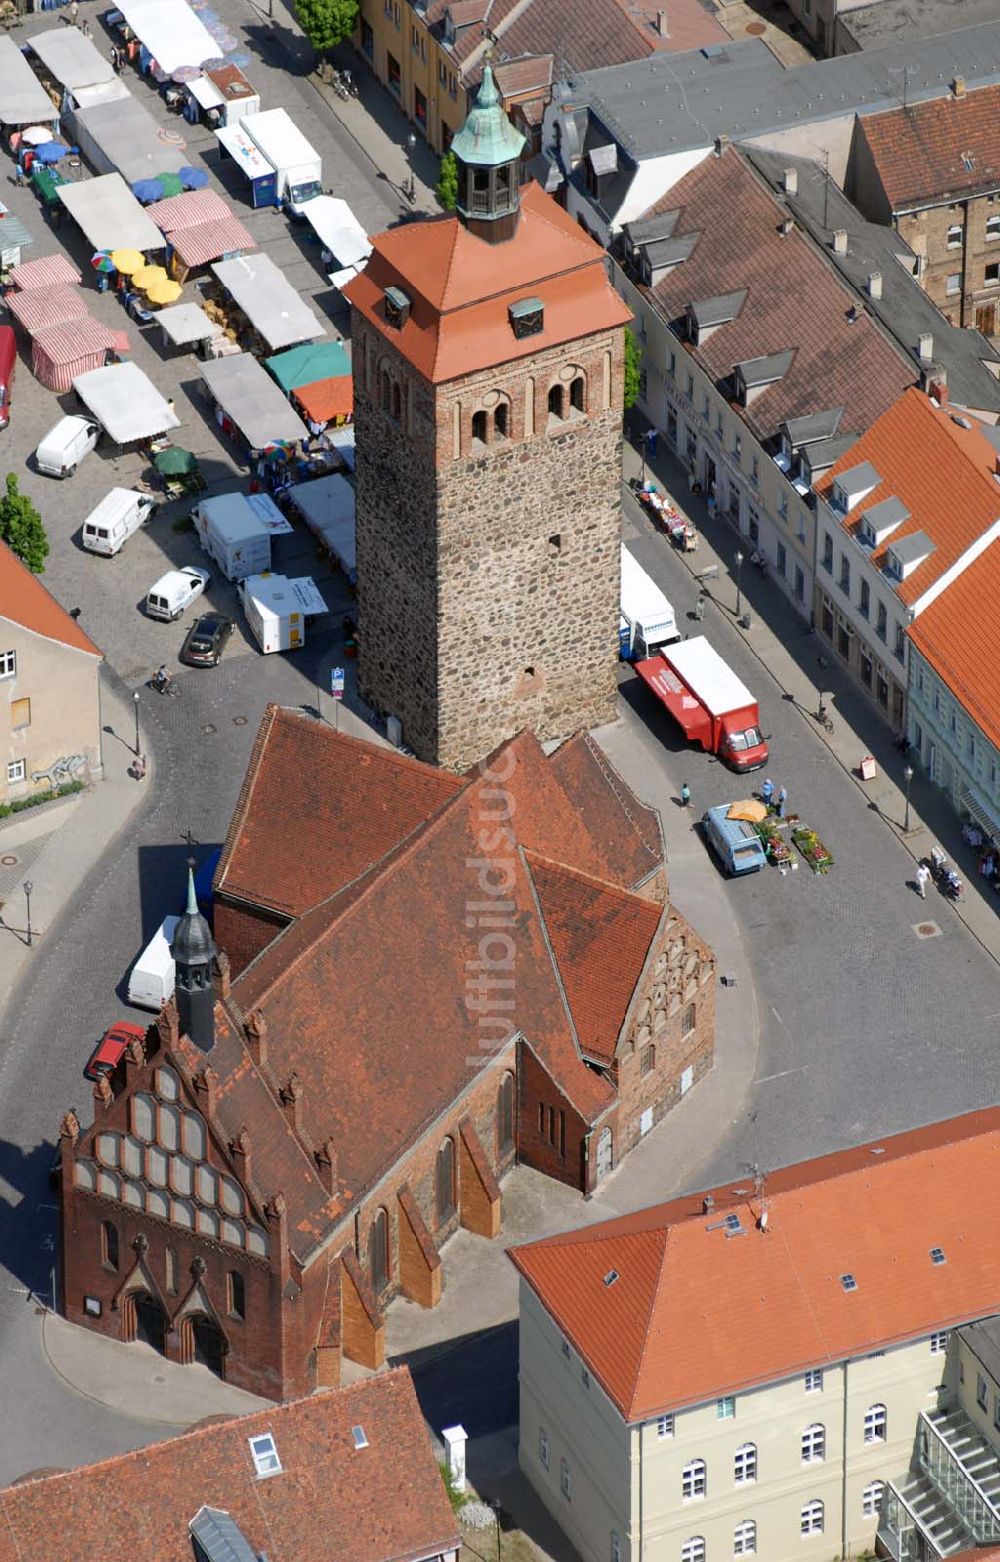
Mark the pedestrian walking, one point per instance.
(72, 12)
(85, 28)
(114, 59)
(922, 876)
(685, 795)
(767, 792)
(782, 800)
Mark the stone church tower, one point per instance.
(488, 368)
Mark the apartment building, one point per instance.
(759, 364)
(932, 171)
(900, 518)
(741, 1372)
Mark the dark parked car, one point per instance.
(107, 1054)
(206, 640)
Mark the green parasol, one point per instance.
(175, 462)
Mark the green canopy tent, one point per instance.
(47, 181)
(306, 364)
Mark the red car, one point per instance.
(107, 1054)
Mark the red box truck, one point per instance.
(708, 701)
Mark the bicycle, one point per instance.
(823, 717)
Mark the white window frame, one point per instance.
(665, 1426)
(939, 1342)
(264, 1453)
(812, 1444)
(871, 1499)
(8, 664)
(725, 1408)
(745, 1464)
(745, 1539)
(954, 235)
(953, 291)
(543, 1446)
(694, 1481)
(876, 1424)
(812, 1519)
(993, 227)
(17, 770)
(693, 1549)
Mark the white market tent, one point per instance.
(327, 507)
(125, 402)
(123, 136)
(23, 99)
(268, 300)
(171, 31)
(71, 59)
(247, 394)
(338, 230)
(109, 215)
(183, 324)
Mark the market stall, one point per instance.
(327, 507)
(47, 182)
(123, 136)
(125, 402)
(341, 235)
(185, 325)
(275, 313)
(249, 404)
(261, 177)
(326, 402)
(170, 31)
(222, 96)
(47, 271)
(63, 58)
(41, 307)
(23, 99)
(61, 353)
(109, 215)
(306, 364)
(663, 510)
(14, 237)
(221, 239)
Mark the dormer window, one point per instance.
(907, 554)
(708, 314)
(397, 307)
(850, 487)
(881, 520)
(754, 375)
(527, 317)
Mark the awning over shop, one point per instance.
(248, 395)
(46, 271)
(268, 300)
(306, 364)
(186, 323)
(23, 99)
(240, 147)
(188, 210)
(326, 399)
(338, 230)
(125, 401)
(171, 31)
(109, 215)
(40, 308)
(70, 58)
(984, 816)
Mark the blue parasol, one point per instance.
(51, 152)
(192, 178)
(147, 190)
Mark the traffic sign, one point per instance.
(337, 678)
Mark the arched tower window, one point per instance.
(556, 401)
(383, 390)
(577, 393)
(479, 427)
(501, 420)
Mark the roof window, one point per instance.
(880, 520)
(850, 487)
(611, 1277)
(527, 317)
(848, 1282)
(264, 1452)
(937, 1255)
(397, 307)
(360, 1440)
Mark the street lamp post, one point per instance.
(28, 887)
(738, 561)
(907, 777)
(495, 1505)
(135, 700)
(411, 144)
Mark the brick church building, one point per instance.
(488, 384)
(415, 980)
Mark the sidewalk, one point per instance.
(60, 844)
(804, 666)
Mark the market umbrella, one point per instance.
(102, 261)
(214, 64)
(164, 292)
(238, 57)
(51, 152)
(127, 261)
(146, 190)
(148, 276)
(169, 184)
(36, 135)
(175, 462)
(192, 178)
(749, 810)
(185, 73)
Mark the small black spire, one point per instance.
(194, 952)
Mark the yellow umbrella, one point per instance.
(127, 261)
(149, 276)
(164, 292)
(749, 810)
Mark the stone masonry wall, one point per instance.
(489, 569)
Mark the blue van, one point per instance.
(735, 842)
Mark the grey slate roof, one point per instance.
(909, 549)
(764, 371)
(718, 310)
(813, 428)
(219, 1538)
(886, 514)
(906, 312)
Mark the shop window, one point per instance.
(394, 74)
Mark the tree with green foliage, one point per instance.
(21, 528)
(326, 22)
(447, 185)
(633, 367)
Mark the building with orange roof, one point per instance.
(776, 1367)
(488, 387)
(50, 672)
(900, 518)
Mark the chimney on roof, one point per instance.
(326, 1165)
(958, 86)
(840, 241)
(791, 181)
(925, 347)
(934, 380)
(661, 24)
(255, 1027)
(721, 142)
(707, 1204)
(291, 1100)
(874, 284)
(786, 226)
(221, 974)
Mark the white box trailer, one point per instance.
(647, 618)
(236, 530)
(276, 609)
(298, 166)
(151, 980)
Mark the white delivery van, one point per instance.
(276, 609)
(647, 619)
(65, 446)
(236, 530)
(120, 513)
(151, 980)
(175, 591)
(298, 166)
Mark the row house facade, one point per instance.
(652, 1427)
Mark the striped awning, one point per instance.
(188, 210)
(40, 308)
(211, 241)
(46, 271)
(74, 340)
(980, 811)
